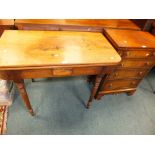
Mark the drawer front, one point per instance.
(139, 54)
(137, 63)
(120, 84)
(63, 72)
(121, 73)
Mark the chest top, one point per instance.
(55, 48)
(113, 23)
(130, 39)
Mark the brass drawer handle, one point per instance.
(89, 29)
(122, 64)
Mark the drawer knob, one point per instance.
(154, 54)
(147, 54)
(140, 73)
(147, 63)
(116, 74)
(122, 64)
(127, 53)
(89, 29)
(110, 86)
(133, 83)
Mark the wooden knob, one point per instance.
(147, 54)
(110, 86)
(89, 29)
(127, 53)
(147, 63)
(116, 74)
(153, 53)
(140, 73)
(132, 83)
(122, 64)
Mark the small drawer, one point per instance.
(120, 84)
(137, 63)
(121, 73)
(63, 72)
(138, 54)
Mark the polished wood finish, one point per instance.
(137, 50)
(95, 25)
(38, 54)
(6, 24)
(22, 90)
(44, 48)
(129, 39)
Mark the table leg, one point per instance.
(94, 90)
(23, 93)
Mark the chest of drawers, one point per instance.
(137, 49)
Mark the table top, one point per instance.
(130, 39)
(19, 48)
(111, 23)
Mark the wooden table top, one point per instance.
(131, 39)
(111, 23)
(19, 48)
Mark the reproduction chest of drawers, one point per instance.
(137, 49)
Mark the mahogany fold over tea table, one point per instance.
(41, 54)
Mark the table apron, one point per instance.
(53, 72)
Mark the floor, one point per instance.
(59, 107)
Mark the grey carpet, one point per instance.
(59, 107)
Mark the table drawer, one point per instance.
(139, 54)
(137, 63)
(63, 72)
(128, 73)
(120, 84)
